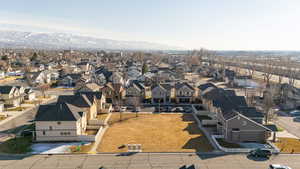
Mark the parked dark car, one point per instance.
(136, 109)
(264, 153)
(295, 113)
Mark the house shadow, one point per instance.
(206, 156)
(200, 144)
(14, 156)
(14, 130)
(257, 158)
(126, 154)
(187, 117)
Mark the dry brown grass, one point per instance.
(288, 145)
(125, 116)
(2, 117)
(156, 133)
(91, 131)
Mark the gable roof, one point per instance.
(6, 89)
(206, 85)
(250, 112)
(58, 112)
(91, 95)
(104, 71)
(180, 85)
(77, 100)
(74, 76)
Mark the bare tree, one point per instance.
(268, 103)
(43, 88)
(136, 102)
(250, 65)
(268, 69)
(117, 99)
(291, 71)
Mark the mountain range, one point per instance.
(55, 40)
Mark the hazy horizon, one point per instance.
(217, 25)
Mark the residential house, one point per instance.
(101, 75)
(83, 101)
(137, 90)
(29, 94)
(60, 122)
(70, 80)
(234, 119)
(252, 113)
(163, 93)
(146, 79)
(102, 106)
(286, 96)
(116, 78)
(36, 78)
(113, 92)
(10, 95)
(87, 87)
(235, 127)
(185, 93)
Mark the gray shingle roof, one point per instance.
(77, 100)
(5, 89)
(58, 112)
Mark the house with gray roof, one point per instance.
(185, 93)
(163, 93)
(60, 122)
(236, 122)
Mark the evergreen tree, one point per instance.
(144, 68)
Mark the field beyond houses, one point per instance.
(155, 133)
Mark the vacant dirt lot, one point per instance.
(156, 133)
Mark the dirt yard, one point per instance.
(156, 133)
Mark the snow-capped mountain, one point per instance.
(22, 39)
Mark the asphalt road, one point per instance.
(288, 124)
(144, 161)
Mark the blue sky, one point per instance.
(213, 24)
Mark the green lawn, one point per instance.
(19, 145)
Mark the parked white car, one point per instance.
(123, 108)
(278, 166)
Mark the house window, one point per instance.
(235, 129)
(44, 132)
(50, 128)
(58, 122)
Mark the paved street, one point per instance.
(288, 124)
(30, 113)
(144, 161)
(22, 119)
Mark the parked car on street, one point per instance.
(264, 153)
(177, 109)
(136, 109)
(297, 119)
(123, 109)
(278, 166)
(294, 113)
